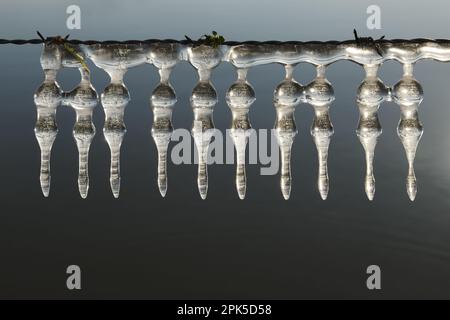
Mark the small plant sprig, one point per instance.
(214, 40)
(58, 40)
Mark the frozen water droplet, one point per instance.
(408, 94)
(49, 94)
(371, 93)
(114, 100)
(289, 92)
(204, 95)
(320, 94)
(83, 100)
(240, 97)
(163, 96)
(163, 100)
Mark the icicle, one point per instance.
(114, 100)
(163, 100)
(240, 96)
(320, 95)
(371, 93)
(287, 95)
(116, 59)
(164, 56)
(203, 99)
(408, 94)
(83, 100)
(47, 98)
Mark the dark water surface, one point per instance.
(144, 246)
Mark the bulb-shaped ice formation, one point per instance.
(320, 94)
(83, 100)
(114, 100)
(240, 96)
(203, 99)
(164, 56)
(371, 93)
(116, 59)
(287, 96)
(47, 98)
(408, 94)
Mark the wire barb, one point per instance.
(369, 42)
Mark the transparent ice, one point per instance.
(240, 96)
(47, 98)
(287, 96)
(203, 99)
(320, 95)
(164, 56)
(408, 94)
(116, 59)
(83, 99)
(371, 93)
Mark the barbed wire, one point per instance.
(229, 43)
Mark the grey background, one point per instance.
(143, 246)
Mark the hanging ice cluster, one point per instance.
(83, 99)
(116, 59)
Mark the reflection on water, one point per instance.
(117, 59)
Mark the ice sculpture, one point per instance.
(320, 94)
(240, 96)
(203, 99)
(371, 93)
(287, 96)
(164, 56)
(47, 98)
(116, 59)
(408, 94)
